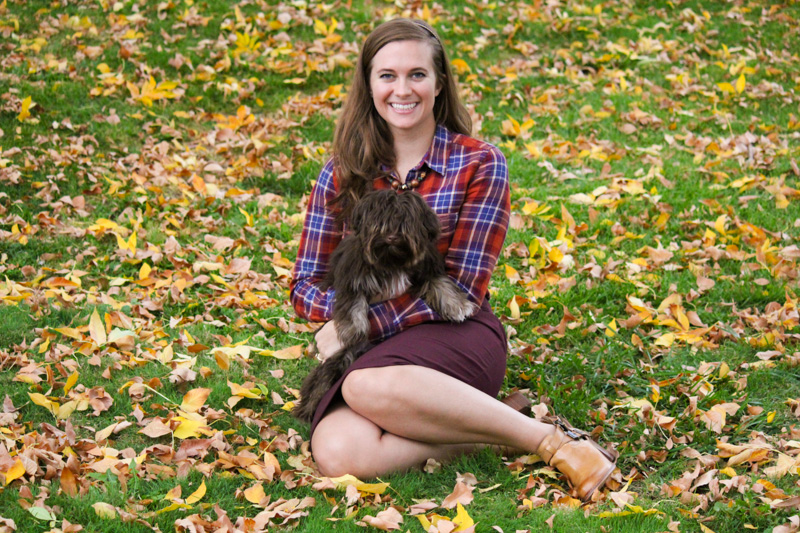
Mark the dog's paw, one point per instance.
(449, 301)
(459, 312)
(354, 328)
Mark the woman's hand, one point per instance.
(328, 342)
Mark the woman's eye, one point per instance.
(418, 75)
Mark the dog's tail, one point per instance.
(323, 377)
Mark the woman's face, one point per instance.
(404, 87)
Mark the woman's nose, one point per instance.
(403, 86)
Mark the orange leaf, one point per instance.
(255, 493)
(194, 399)
(69, 483)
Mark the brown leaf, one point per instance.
(387, 520)
(462, 493)
(156, 428)
(790, 503)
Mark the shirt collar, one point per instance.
(436, 158)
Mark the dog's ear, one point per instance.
(359, 214)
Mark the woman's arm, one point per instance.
(320, 236)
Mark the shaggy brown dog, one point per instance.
(391, 248)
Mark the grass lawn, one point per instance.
(155, 162)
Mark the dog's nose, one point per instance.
(392, 239)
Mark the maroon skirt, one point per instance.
(473, 351)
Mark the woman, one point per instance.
(428, 389)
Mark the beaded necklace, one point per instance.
(411, 185)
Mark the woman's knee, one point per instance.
(369, 388)
(333, 454)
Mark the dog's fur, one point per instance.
(391, 248)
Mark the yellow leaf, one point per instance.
(188, 428)
(510, 127)
(555, 255)
(631, 509)
(25, 111)
(426, 524)
(462, 519)
(172, 507)
(197, 495)
(71, 381)
(726, 87)
(104, 510)
(16, 471)
(130, 244)
(145, 271)
(342, 482)
(194, 399)
(704, 529)
(64, 411)
(611, 328)
(255, 493)
(665, 340)
(719, 224)
(372, 488)
(42, 401)
(740, 83)
(320, 27)
(728, 471)
(97, 330)
(514, 307)
(770, 416)
(244, 392)
(533, 149)
(248, 217)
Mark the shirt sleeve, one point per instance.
(474, 248)
(321, 234)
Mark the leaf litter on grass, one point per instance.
(654, 226)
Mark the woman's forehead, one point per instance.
(404, 55)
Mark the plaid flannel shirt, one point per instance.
(466, 184)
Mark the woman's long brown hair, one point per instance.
(363, 143)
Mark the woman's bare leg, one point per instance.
(347, 443)
(424, 414)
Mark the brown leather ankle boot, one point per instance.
(586, 464)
